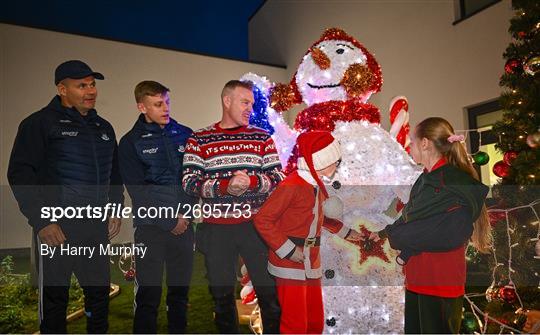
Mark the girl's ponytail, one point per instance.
(450, 145)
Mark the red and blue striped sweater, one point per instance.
(213, 154)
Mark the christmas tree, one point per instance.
(516, 265)
(519, 133)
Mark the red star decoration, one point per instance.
(369, 248)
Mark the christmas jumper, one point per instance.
(213, 154)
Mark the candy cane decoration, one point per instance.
(399, 119)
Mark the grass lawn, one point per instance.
(200, 312)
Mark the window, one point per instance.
(467, 8)
(481, 116)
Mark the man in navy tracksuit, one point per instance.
(65, 155)
(151, 155)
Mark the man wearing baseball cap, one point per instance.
(65, 156)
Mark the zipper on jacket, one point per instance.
(93, 142)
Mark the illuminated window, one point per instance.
(483, 116)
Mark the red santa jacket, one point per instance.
(295, 210)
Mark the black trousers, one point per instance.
(426, 314)
(222, 244)
(92, 272)
(175, 254)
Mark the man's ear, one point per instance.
(227, 101)
(141, 108)
(61, 88)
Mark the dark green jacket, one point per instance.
(439, 216)
(441, 190)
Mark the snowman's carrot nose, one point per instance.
(320, 58)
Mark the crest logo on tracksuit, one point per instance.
(150, 151)
(105, 137)
(70, 133)
(181, 148)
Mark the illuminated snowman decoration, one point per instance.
(363, 291)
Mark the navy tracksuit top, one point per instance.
(151, 166)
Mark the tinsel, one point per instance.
(283, 97)
(259, 116)
(356, 80)
(369, 248)
(323, 116)
(320, 58)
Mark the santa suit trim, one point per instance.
(306, 175)
(322, 158)
(312, 233)
(343, 231)
(297, 274)
(285, 248)
(309, 272)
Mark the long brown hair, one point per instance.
(437, 130)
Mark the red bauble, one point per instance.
(510, 156)
(129, 275)
(495, 217)
(513, 66)
(522, 34)
(508, 294)
(501, 169)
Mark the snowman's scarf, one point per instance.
(324, 115)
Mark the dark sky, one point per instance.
(211, 27)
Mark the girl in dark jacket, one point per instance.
(446, 209)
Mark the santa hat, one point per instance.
(291, 94)
(317, 150)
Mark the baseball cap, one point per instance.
(74, 69)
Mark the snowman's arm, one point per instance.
(336, 227)
(284, 137)
(402, 192)
(269, 216)
(271, 173)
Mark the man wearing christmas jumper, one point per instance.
(290, 222)
(233, 167)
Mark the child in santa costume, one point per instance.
(290, 222)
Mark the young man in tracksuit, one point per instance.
(233, 167)
(65, 155)
(151, 156)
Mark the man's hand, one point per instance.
(114, 227)
(181, 226)
(239, 183)
(297, 256)
(355, 236)
(52, 235)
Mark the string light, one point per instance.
(509, 230)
